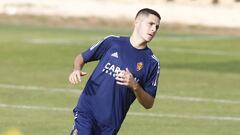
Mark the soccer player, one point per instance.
(127, 70)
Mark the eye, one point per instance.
(151, 23)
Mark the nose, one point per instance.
(154, 29)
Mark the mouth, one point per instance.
(151, 35)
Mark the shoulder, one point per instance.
(153, 62)
(155, 59)
(116, 41)
(152, 58)
(111, 37)
(105, 42)
(115, 38)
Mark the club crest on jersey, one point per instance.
(139, 66)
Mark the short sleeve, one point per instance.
(150, 86)
(97, 50)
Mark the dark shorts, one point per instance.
(85, 124)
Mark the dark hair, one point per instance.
(147, 11)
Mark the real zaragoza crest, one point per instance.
(139, 66)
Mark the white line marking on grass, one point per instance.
(38, 88)
(34, 107)
(201, 117)
(195, 38)
(69, 41)
(161, 97)
(196, 51)
(56, 41)
(196, 99)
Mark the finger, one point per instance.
(119, 79)
(83, 73)
(127, 70)
(129, 74)
(120, 74)
(78, 76)
(75, 79)
(71, 80)
(121, 83)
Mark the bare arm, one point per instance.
(75, 76)
(126, 78)
(143, 97)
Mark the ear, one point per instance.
(139, 19)
(136, 21)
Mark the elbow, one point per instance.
(148, 106)
(147, 101)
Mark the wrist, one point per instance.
(135, 86)
(75, 68)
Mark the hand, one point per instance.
(125, 77)
(75, 76)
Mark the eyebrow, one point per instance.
(152, 22)
(157, 25)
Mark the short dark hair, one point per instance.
(147, 11)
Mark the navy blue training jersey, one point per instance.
(105, 100)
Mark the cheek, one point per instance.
(142, 29)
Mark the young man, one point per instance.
(127, 70)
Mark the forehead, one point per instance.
(152, 18)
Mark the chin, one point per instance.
(148, 39)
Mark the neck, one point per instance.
(137, 42)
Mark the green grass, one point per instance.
(192, 65)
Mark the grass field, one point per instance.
(198, 93)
